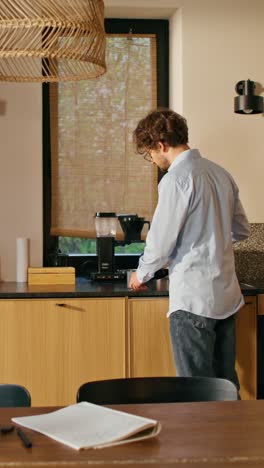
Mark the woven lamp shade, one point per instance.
(51, 40)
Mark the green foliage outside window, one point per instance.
(76, 245)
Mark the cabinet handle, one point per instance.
(70, 307)
(248, 303)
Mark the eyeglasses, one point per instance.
(147, 156)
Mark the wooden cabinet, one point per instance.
(261, 304)
(150, 349)
(53, 346)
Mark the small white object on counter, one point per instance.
(22, 259)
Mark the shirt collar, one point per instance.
(190, 153)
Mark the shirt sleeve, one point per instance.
(240, 224)
(168, 219)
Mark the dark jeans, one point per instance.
(204, 346)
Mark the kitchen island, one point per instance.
(55, 338)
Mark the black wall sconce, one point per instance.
(247, 102)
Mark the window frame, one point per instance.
(84, 264)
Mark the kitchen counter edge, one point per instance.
(87, 288)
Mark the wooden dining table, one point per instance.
(193, 435)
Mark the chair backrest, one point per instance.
(14, 395)
(157, 390)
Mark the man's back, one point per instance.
(202, 267)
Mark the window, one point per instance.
(69, 122)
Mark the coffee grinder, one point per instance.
(106, 226)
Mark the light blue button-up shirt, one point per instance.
(198, 217)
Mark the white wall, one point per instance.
(20, 173)
(222, 43)
(213, 46)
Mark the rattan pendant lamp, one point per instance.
(51, 40)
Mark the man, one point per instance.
(197, 218)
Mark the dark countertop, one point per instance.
(88, 288)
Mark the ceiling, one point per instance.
(142, 12)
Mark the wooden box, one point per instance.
(51, 275)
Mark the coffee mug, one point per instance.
(129, 274)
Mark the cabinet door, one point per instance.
(53, 346)
(150, 348)
(246, 348)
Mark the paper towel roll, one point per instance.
(21, 259)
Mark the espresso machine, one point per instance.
(106, 227)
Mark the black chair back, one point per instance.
(157, 390)
(14, 395)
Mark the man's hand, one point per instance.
(135, 284)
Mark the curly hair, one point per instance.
(161, 125)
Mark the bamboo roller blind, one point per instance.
(94, 166)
